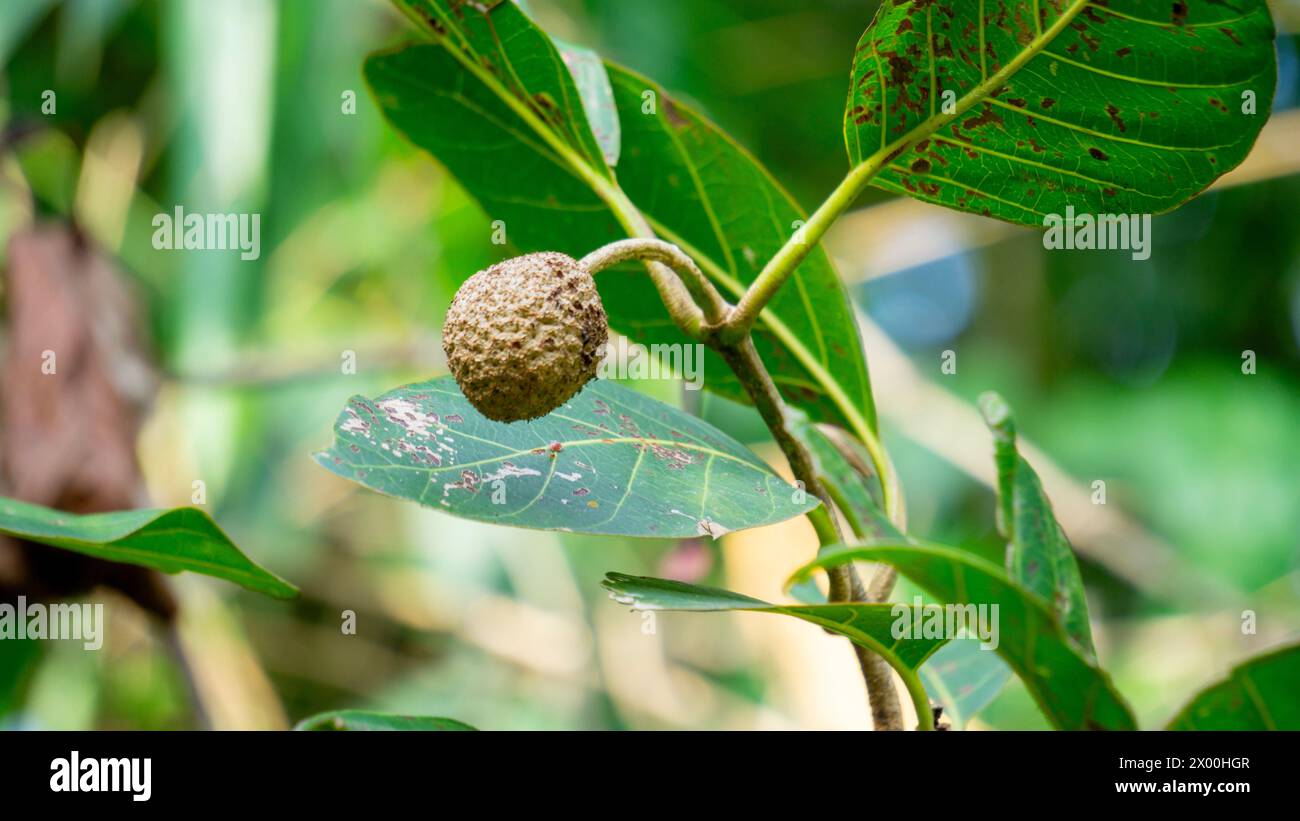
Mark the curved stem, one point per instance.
(920, 699)
(706, 296)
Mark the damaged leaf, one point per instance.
(1017, 109)
(498, 44)
(609, 461)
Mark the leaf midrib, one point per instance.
(451, 25)
(1257, 700)
(578, 443)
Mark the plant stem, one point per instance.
(845, 585)
(706, 296)
(743, 359)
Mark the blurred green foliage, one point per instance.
(1129, 372)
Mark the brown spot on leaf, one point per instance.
(672, 112)
(989, 117)
(1113, 113)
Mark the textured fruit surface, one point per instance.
(525, 335)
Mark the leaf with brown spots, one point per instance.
(609, 461)
(1021, 108)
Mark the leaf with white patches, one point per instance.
(609, 461)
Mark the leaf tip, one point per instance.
(997, 413)
(283, 590)
(617, 586)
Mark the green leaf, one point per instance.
(597, 96)
(497, 43)
(846, 481)
(1072, 692)
(1257, 695)
(183, 538)
(609, 461)
(553, 191)
(965, 678)
(1126, 106)
(537, 189)
(869, 625)
(362, 720)
(1039, 556)
(18, 663)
